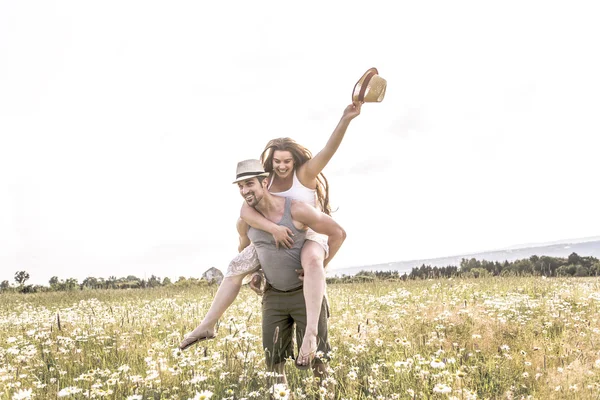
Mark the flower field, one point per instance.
(491, 338)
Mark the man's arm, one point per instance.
(242, 229)
(281, 234)
(320, 223)
(256, 280)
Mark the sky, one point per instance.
(121, 124)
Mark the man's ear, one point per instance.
(265, 182)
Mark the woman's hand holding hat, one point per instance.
(352, 111)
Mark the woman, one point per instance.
(293, 173)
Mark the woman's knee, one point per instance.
(312, 255)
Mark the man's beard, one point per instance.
(252, 200)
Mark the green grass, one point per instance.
(491, 338)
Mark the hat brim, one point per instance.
(246, 177)
(361, 84)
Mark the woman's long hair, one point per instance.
(301, 155)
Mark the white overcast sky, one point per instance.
(121, 123)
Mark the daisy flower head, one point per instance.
(280, 391)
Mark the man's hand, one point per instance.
(352, 111)
(256, 284)
(300, 273)
(283, 236)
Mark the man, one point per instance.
(283, 298)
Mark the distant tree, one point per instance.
(71, 284)
(132, 278)
(166, 281)
(90, 282)
(467, 265)
(595, 269)
(580, 270)
(111, 282)
(574, 259)
(154, 281)
(479, 272)
(566, 270)
(28, 289)
(587, 262)
(550, 265)
(5, 285)
(129, 282)
(21, 277)
(523, 267)
(53, 281)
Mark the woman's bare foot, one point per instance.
(197, 335)
(307, 352)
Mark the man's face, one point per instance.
(252, 191)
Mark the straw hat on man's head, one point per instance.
(370, 88)
(249, 169)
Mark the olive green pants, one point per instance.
(281, 310)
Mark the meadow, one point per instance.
(490, 338)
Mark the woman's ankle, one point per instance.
(205, 327)
(310, 334)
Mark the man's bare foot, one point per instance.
(307, 352)
(197, 335)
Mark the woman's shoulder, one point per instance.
(305, 178)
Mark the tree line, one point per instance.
(129, 282)
(573, 265)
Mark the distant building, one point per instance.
(213, 275)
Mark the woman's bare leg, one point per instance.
(312, 258)
(226, 294)
(244, 263)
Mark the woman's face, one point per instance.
(283, 163)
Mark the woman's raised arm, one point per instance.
(309, 171)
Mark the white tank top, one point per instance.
(298, 192)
